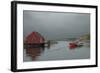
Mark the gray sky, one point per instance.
(55, 25)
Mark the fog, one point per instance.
(56, 25)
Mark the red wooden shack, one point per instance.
(33, 44)
(34, 38)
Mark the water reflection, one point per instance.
(35, 50)
(53, 50)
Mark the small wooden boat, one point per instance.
(72, 45)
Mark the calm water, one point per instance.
(58, 51)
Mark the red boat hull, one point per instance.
(73, 45)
